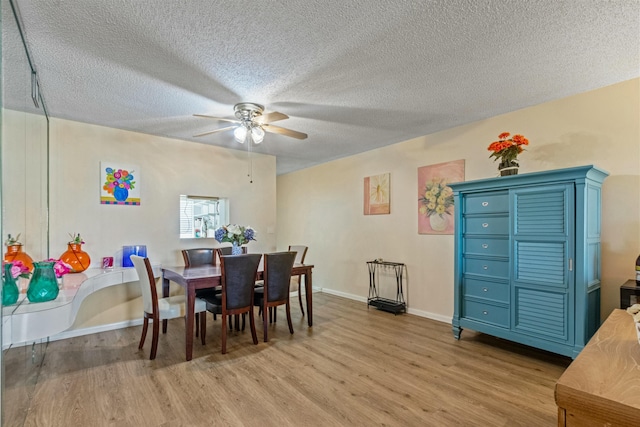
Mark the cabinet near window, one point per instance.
(527, 264)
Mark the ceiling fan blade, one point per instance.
(274, 116)
(283, 131)
(214, 131)
(217, 118)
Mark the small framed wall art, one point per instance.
(377, 194)
(119, 184)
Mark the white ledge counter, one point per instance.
(29, 321)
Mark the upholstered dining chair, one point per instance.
(238, 279)
(158, 309)
(275, 292)
(301, 253)
(197, 257)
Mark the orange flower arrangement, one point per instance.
(507, 150)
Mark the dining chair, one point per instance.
(301, 253)
(197, 257)
(238, 275)
(158, 309)
(275, 292)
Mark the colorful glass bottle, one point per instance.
(44, 284)
(9, 286)
(15, 253)
(78, 259)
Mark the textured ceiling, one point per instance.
(353, 75)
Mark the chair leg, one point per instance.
(197, 323)
(224, 333)
(154, 340)
(145, 325)
(203, 327)
(237, 322)
(243, 317)
(252, 325)
(275, 314)
(231, 323)
(288, 309)
(264, 323)
(300, 296)
(164, 326)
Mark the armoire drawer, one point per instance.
(486, 203)
(487, 313)
(486, 246)
(494, 291)
(498, 224)
(486, 267)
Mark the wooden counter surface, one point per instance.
(601, 387)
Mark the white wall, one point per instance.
(167, 168)
(322, 206)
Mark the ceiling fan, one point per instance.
(252, 124)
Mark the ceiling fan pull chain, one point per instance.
(248, 141)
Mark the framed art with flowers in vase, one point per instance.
(435, 197)
(119, 184)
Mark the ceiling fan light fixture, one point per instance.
(240, 134)
(257, 134)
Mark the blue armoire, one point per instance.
(527, 257)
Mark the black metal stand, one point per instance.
(393, 306)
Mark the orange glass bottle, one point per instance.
(15, 253)
(78, 259)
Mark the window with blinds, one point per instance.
(200, 216)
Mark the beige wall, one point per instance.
(322, 206)
(167, 168)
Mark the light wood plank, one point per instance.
(356, 366)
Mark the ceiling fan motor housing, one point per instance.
(247, 111)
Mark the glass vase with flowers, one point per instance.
(507, 149)
(11, 271)
(237, 235)
(44, 282)
(78, 259)
(15, 252)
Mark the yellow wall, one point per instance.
(322, 206)
(167, 168)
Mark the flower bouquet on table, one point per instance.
(237, 235)
(507, 149)
(634, 311)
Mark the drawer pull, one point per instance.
(485, 267)
(485, 312)
(485, 203)
(485, 224)
(485, 290)
(485, 246)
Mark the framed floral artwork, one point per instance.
(119, 184)
(376, 194)
(435, 197)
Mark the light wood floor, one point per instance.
(356, 366)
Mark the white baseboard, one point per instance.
(420, 313)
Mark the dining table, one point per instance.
(210, 276)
